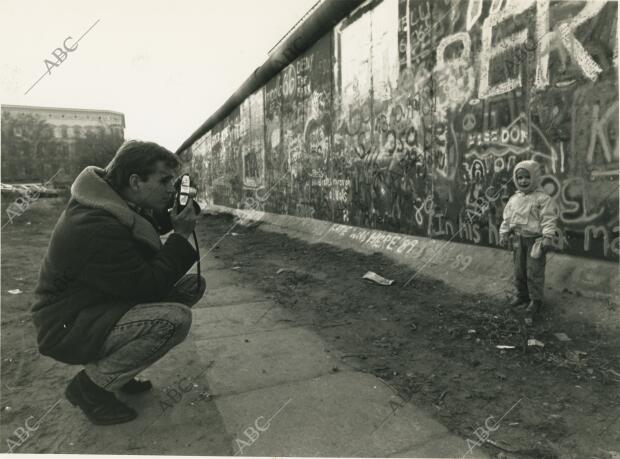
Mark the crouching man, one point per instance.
(110, 296)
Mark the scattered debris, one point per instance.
(562, 337)
(15, 291)
(234, 234)
(504, 346)
(370, 275)
(508, 449)
(575, 356)
(361, 356)
(471, 331)
(613, 372)
(535, 342)
(236, 267)
(204, 396)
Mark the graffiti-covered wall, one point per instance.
(410, 115)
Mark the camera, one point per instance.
(184, 191)
(183, 196)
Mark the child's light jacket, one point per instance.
(530, 212)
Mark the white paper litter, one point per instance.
(535, 342)
(377, 278)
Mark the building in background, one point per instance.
(39, 141)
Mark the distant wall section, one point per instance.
(410, 115)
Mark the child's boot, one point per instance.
(518, 302)
(532, 309)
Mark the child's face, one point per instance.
(523, 178)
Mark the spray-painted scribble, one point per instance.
(410, 115)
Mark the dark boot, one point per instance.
(532, 310)
(100, 406)
(518, 302)
(534, 307)
(135, 386)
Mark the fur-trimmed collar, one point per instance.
(91, 190)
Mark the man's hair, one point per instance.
(136, 157)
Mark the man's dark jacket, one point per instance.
(103, 258)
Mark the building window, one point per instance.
(63, 130)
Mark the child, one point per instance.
(529, 214)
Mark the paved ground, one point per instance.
(281, 391)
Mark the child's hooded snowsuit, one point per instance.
(529, 214)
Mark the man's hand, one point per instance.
(547, 243)
(503, 240)
(184, 222)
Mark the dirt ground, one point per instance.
(434, 345)
(437, 346)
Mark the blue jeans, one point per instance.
(145, 334)
(529, 272)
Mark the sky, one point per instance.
(167, 65)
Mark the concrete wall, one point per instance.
(410, 115)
